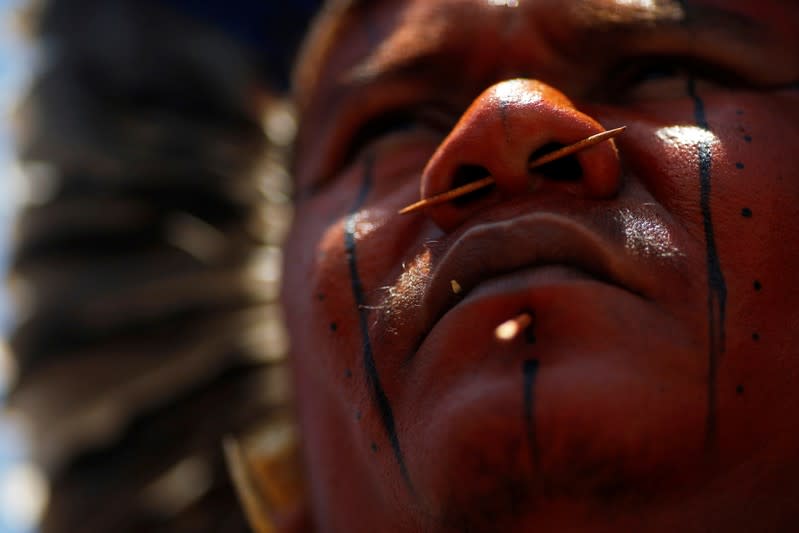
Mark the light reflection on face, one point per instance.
(657, 386)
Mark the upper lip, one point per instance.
(491, 249)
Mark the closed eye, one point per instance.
(409, 120)
(665, 77)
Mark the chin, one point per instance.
(600, 435)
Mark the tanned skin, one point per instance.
(658, 385)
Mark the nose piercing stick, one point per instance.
(488, 180)
(508, 330)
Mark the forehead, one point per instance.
(554, 41)
(373, 34)
(603, 10)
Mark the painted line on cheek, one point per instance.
(717, 287)
(372, 376)
(530, 371)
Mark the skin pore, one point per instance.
(657, 386)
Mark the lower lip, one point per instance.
(463, 338)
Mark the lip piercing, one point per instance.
(508, 330)
(489, 180)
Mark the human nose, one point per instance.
(511, 124)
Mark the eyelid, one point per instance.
(632, 74)
(429, 116)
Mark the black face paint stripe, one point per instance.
(717, 287)
(372, 376)
(530, 371)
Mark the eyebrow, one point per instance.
(607, 23)
(617, 25)
(678, 15)
(346, 7)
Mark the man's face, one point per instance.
(657, 385)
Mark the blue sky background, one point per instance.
(12, 74)
(17, 502)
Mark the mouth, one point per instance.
(535, 243)
(602, 339)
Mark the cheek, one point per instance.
(339, 264)
(753, 204)
(318, 299)
(321, 312)
(753, 181)
(323, 318)
(336, 269)
(756, 204)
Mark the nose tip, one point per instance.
(508, 126)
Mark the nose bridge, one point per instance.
(499, 134)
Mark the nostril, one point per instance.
(466, 174)
(564, 169)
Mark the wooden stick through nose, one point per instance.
(485, 182)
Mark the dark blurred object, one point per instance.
(272, 29)
(144, 269)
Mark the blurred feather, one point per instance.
(144, 273)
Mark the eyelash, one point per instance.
(627, 78)
(396, 121)
(638, 72)
(435, 116)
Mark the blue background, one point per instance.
(14, 58)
